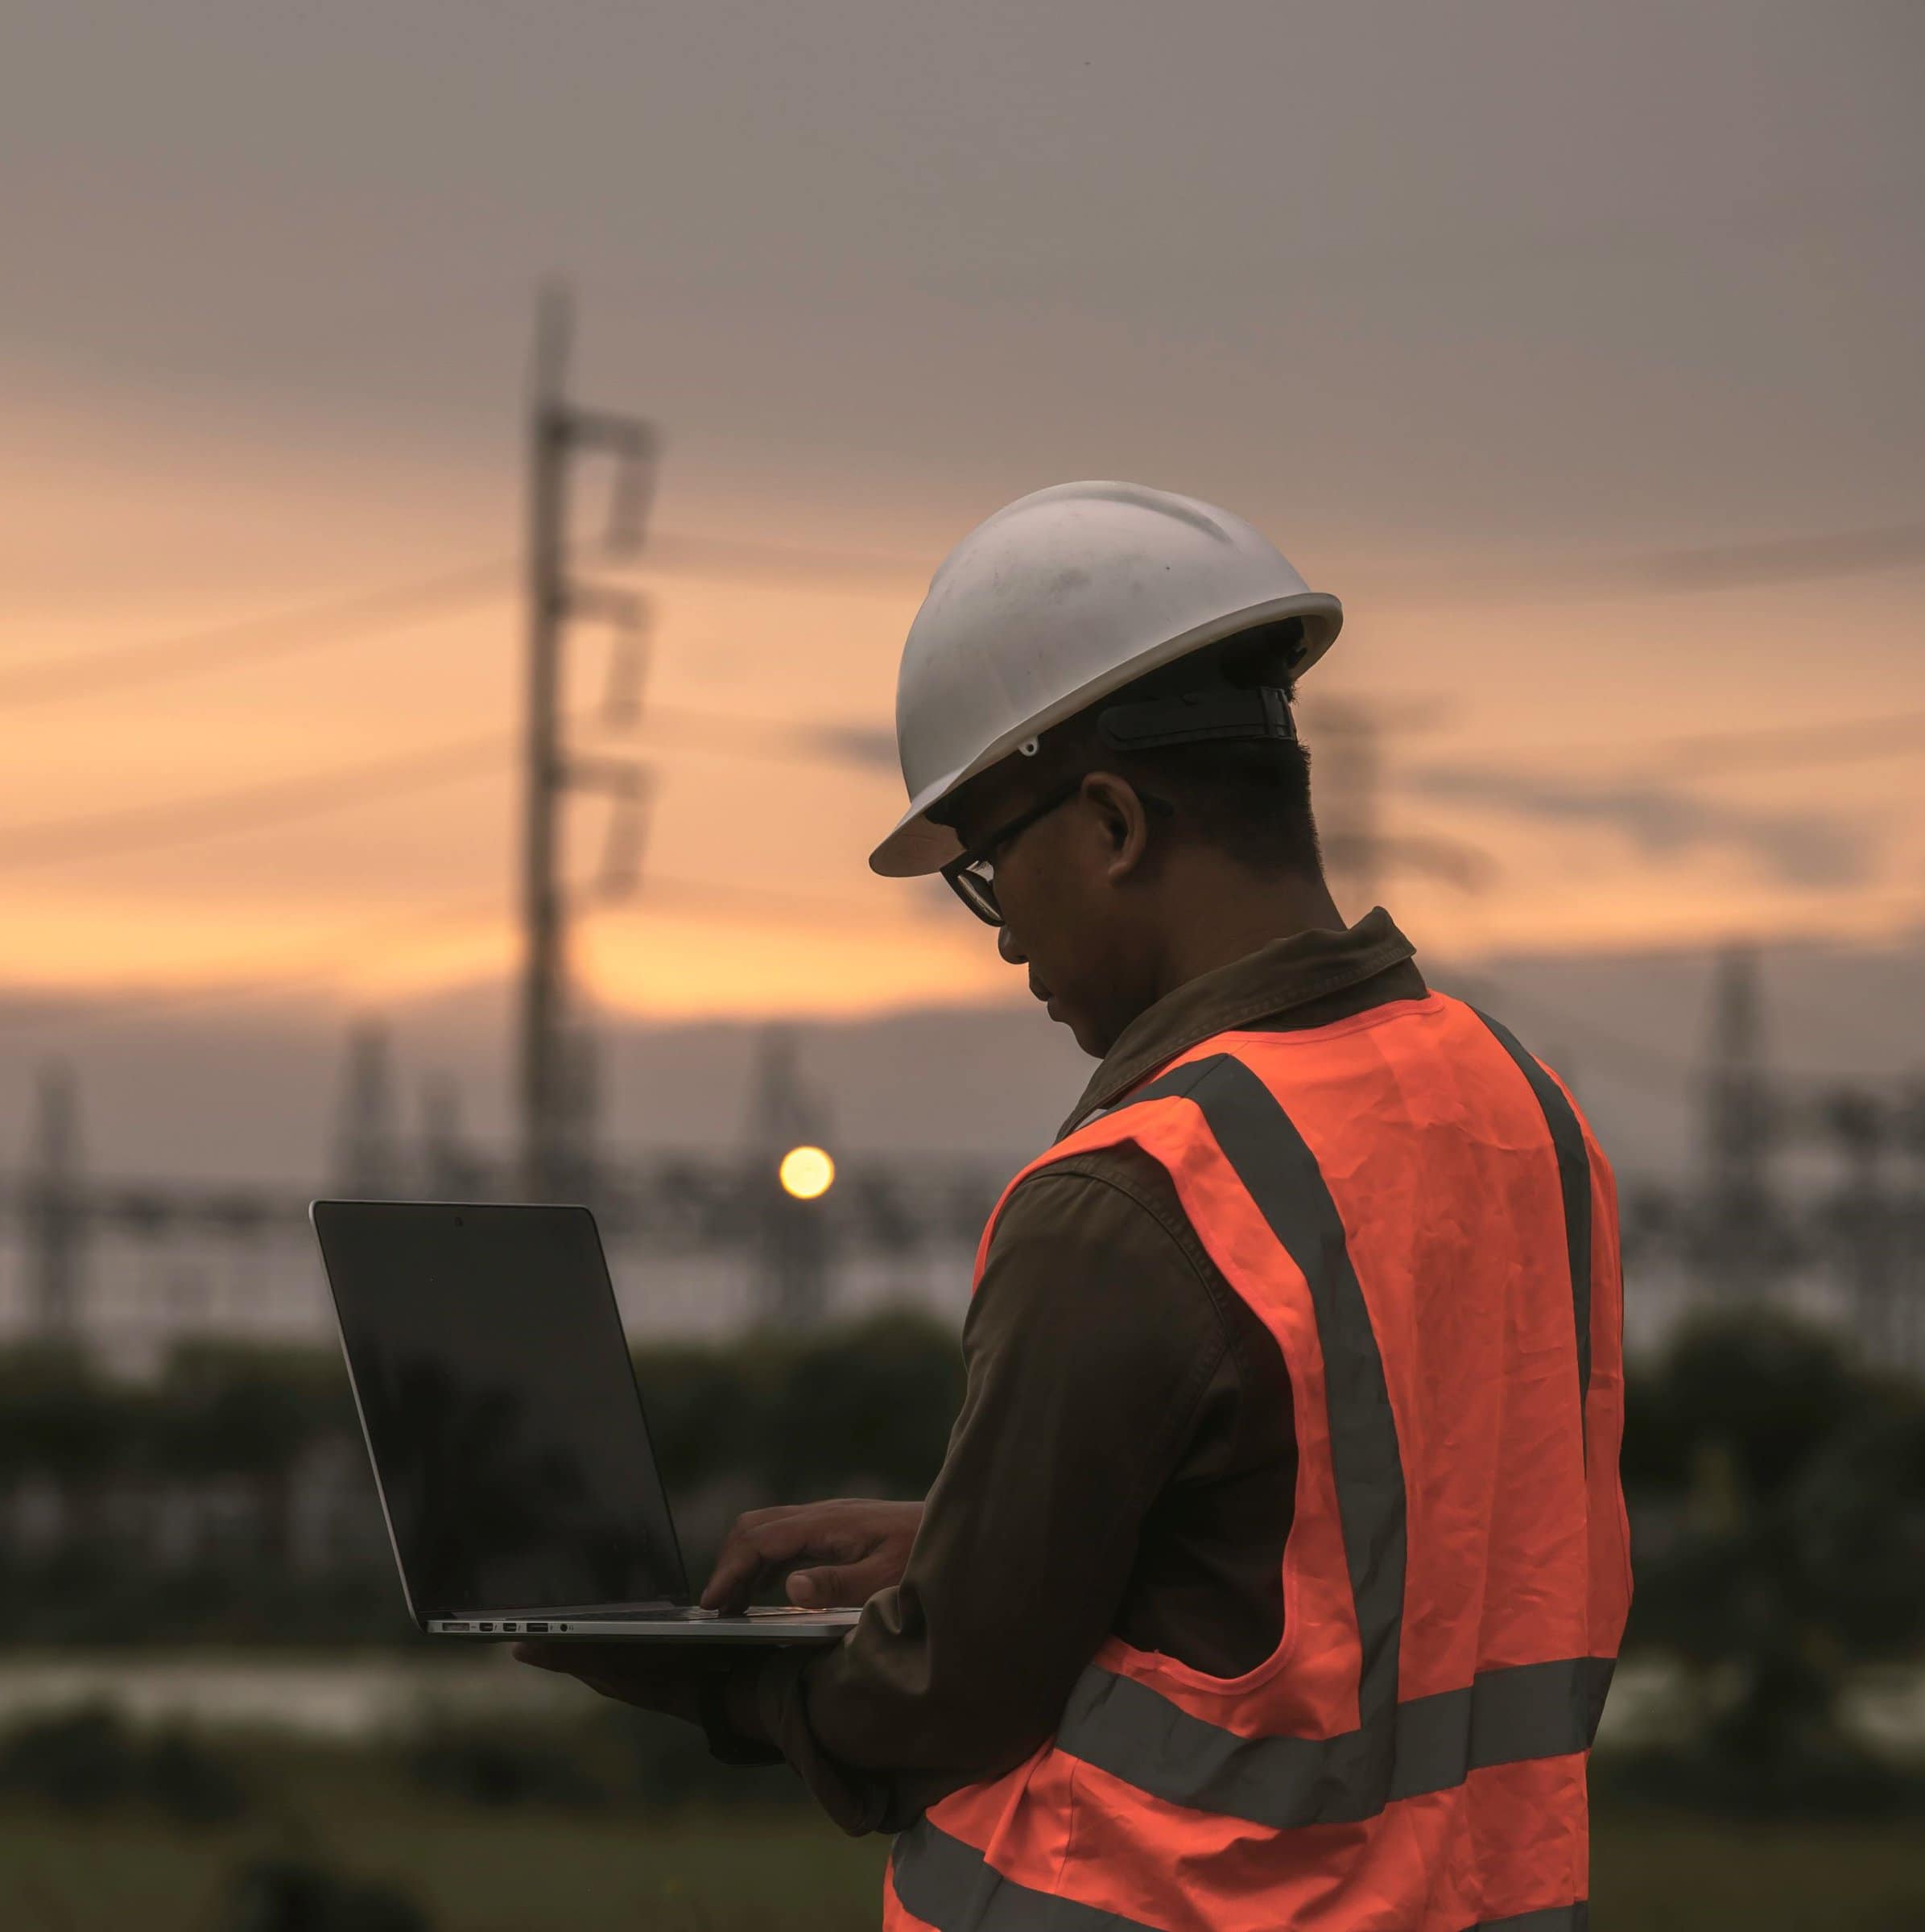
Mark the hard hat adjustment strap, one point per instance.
(1261, 711)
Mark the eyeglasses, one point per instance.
(972, 876)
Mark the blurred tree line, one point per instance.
(228, 1499)
(1777, 1492)
(1777, 1487)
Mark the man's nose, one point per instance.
(1005, 944)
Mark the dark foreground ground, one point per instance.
(394, 1857)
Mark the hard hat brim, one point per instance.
(918, 845)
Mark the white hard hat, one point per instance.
(1059, 599)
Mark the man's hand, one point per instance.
(840, 1552)
(651, 1676)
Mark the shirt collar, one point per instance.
(1275, 977)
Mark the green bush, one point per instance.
(297, 1895)
(91, 1759)
(766, 1418)
(792, 1417)
(500, 1765)
(671, 1768)
(1777, 1500)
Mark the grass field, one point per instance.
(719, 1872)
(528, 1868)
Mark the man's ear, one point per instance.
(1124, 824)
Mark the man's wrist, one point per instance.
(731, 1714)
(741, 1701)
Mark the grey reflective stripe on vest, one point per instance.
(953, 1887)
(1553, 1918)
(1280, 1174)
(1505, 1717)
(1574, 1182)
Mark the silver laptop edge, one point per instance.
(773, 1626)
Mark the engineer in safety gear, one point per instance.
(1274, 1572)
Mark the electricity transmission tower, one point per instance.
(1345, 736)
(55, 1211)
(1743, 1123)
(368, 1153)
(552, 1052)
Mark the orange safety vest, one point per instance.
(1416, 1211)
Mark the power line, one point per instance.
(1816, 743)
(1786, 559)
(753, 905)
(756, 905)
(1820, 742)
(696, 728)
(271, 977)
(239, 809)
(348, 620)
(315, 627)
(691, 553)
(1699, 570)
(245, 808)
(1649, 1068)
(703, 554)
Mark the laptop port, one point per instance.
(484, 1626)
(454, 1626)
(532, 1627)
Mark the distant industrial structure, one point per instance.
(1805, 1196)
(698, 1242)
(1809, 1193)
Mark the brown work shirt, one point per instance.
(1125, 1460)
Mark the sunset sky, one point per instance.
(1577, 350)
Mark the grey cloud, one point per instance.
(1629, 275)
(1664, 821)
(872, 747)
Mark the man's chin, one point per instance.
(1080, 1030)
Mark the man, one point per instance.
(1274, 1569)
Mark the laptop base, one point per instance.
(649, 1623)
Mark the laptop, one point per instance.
(499, 1404)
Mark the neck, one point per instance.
(1215, 920)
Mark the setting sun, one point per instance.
(807, 1173)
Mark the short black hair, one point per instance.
(1250, 797)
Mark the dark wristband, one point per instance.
(726, 1744)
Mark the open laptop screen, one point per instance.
(500, 1405)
